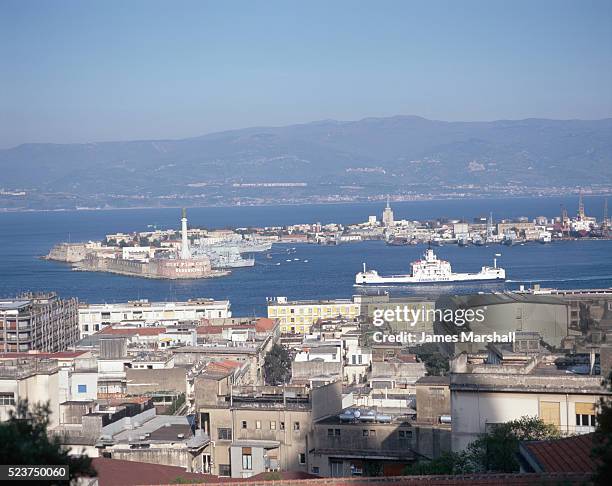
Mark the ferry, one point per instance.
(430, 269)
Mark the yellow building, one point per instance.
(297, 316)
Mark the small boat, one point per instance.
(287, 260)
(305, 261)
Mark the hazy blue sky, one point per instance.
(91, 71)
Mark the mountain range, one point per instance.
(393, 153)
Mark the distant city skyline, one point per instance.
(77, 72)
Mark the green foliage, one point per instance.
(277, 366)
(495, 451)
(435, 362)
(602, 439)
(24, 441)
(177, 403)
(448, 463)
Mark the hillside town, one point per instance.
(306, 388)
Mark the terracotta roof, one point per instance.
(571, 454)
(136, 331)
(288, 479)
(117, 472)
(264, 324)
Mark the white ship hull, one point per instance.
(430, 270)
(372, 278)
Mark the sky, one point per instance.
(85, 71)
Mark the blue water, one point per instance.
(330, 270)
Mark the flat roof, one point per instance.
(13, 304)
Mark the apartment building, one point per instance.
(94, 317)
(297, 316)
(259, 429)
(45, 377)
(493, 392)
(40, 322)
(361, 443)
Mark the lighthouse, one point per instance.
(185, 252)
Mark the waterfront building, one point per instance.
(95, 317)
(297, 316)
(42, 322)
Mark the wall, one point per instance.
(472, 411)
(141, 381)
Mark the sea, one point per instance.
(309, 271)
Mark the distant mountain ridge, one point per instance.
(392, 152)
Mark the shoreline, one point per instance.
(308, 203)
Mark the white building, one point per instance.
(485, 395)
(95, 317)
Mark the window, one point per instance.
(282, 425)
(224, 434)
(7, 398)
(302, 458)
(82, 388)
(272, 425)
(337, 432)
(372, 433)
(330, 432)
(550, 413)
(296, 426)
(244, 424)
(225, 470)
(258, 424)
(315, 469)
(585, 414)
(405, 434)
(247, 459)
(365, 433)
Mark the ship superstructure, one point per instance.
(430, 269)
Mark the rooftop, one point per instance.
(571, 454)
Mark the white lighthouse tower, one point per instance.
(185, 252)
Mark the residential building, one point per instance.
(95, 317)
(297, 316)
(42, 322)
(258, 429)
(484, 394)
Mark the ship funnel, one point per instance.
(364, 267)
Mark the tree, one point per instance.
(435, 362)
(602, 439)
(24, 441)
(448, 463)
(277, 366)
(497, 450)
